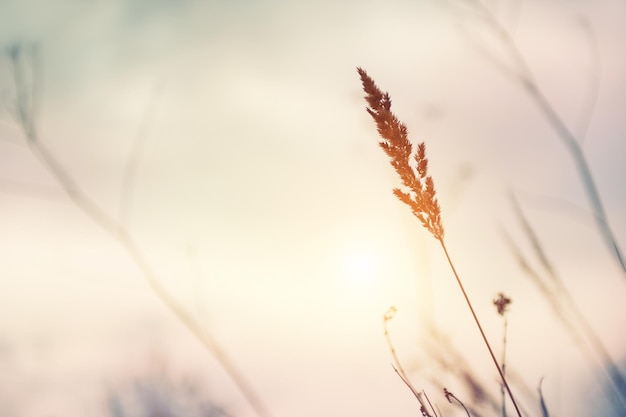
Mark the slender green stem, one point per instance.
(480, 328)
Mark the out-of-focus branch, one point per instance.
(118, 230)
(520, 70)
(450, 396)
(565, 308)
(542, 401)
(397, 367)
(595, 75)
(132, 163)
(24, 95)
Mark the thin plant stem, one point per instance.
(450, 396)
(593, 89)
(502, 304)
(430, 404)
(418, 395)
(387, 317)
(504, 334)
(418, 191)
(132, 163)
(524, 76)
(397, 366)
(121, 234)
(559, 294)
(583, 170)
(442, 351)
(480, 327)
(124, 238)
(542, 401)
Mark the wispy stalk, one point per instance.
(566, 309)
(502, 304)
(451, 360)
(480, 328)
(450, 396)
(396, 361)
(120, 233)
(521, 72)
(399, 369)
(24, 97)
(593, 89)
(542, 401)
(132, 163)
(419, 189)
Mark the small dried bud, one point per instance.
(502, 303)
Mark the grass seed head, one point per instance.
(418, 190)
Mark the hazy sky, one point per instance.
(265, 204)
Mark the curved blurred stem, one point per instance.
(542, 401)
(397, 367)
(504, 334)
(583, 169)
(120, 233)
(566, 309)
(524, 75)
(593, 88)
(450, 396)
(480, 328)
(131, 247)
(132, 163)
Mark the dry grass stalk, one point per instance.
(420, 194)
(447, 356)
(450, 396)
(519, 71)
(25, 115)
(502, 305)
(397, 367)
(553, 288)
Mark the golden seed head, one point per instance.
(418, 190)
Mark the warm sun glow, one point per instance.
(361, 265)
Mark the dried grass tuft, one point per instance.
(419, 193)
(412, 167)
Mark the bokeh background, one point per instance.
(264, 203)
